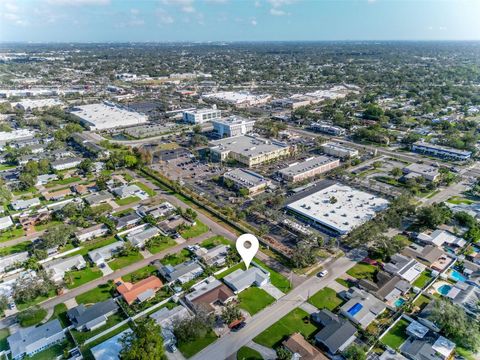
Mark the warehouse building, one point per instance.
(441, 151)
(239, 99)
(201, 116)
(245, 179)
(340, 151)
(107, 115)
(233, 126)
(337, 209)
(308, 168)
(328, 129)
(248, 150)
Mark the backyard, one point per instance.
(127, 201)
(423, 279)
(397, 335)
(140, 274)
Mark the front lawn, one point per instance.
(326, 299)
(193, 231)
(145, 188)
(82, 336)
(37, 300)
(101, 293)
(60, 313)
(163, 243)
(362, 271)
(11, 234)
(62, 182)
(254, 299)
(4, 334)
(397, 335)
(47, 225)
(295, 321)
(76, 278)
(127, 201)
(214, 241)
(140, 274)
(277, 279)
(178, 258)
(423, 279)
(92, 245)
(122, 261)
(31, 316)
(192, 347)
(245, 353)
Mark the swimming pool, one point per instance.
(399, 302)
(355, 309)
(457, 276)
(444, 289)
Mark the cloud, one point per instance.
(277, 12)
(11, 13)
(163, 17)
(276, 6)
(371, 1)
(217, 1)
(254, 22)
(258, 4)
(185, 5)
(79, 2)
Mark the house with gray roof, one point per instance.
(25, 204)
(127, 191)
(361, 308)
(215, 256)
(138, 239)
(92, 317)
(9, 262)
(240, 280)
(101, 255)
(5, 222)
(58, 267)
(405, 267)
(430, 347)
(31, 340)
(337, 333)
(182, 273)
(166, 318)
(98, 198)
(127, 221)
(91, 232)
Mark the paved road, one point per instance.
(232, 342)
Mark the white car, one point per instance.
(322, 273)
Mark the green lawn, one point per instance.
(245, 353)
(76, 278)
(295, 321)
(214, 241)
(254, 299)
(397, 335)
(47, 225)
(458, 200)
(36, 315)
(326, 299)
(11, 234)
(277, 279)
(145, 188)
(82, 336)
(7, 167)
(50, 353)
(4, 334)
(362, 271)
(62, 182)
(344, 282)
(140, 274)
(178, 258)
(37, 300)
(127, 200)
(160, 246)
(122, 261)
(423, 279)
(196, 230)
(230, 270)
(421, 301)
(191, 348)
(92, 245)
(60, 313)
(100, 293)
(123, 212)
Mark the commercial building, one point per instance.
(248, 150)
(64, 164)
(201, 116)
(31, 340)
(15, 135)
(308, 168)
(239, 99)
(441, 151)
(246, 179)
(31, 104)
(428, 172)
(107, 116)
(340, 151)
(327, 129)
(338, 208)
(233, 126)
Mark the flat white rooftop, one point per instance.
(235, 97)
(233, 120)
(247, 145)
(108, 115)
(306, 165)
(339, 207)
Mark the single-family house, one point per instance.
(98, 198)
(430, 347)
(127, 221)
(11, 261)
(58, 267)
(405, 267)
(101, 255)
(25, 204)
(430, 255)
(302, 349)
(417, 330)
(45, 179)
(31, 340)
(56, 195)
(140, 291)
(5, 222)
(167, 318)
(91, 232)
(109, 349)
(425, 317)
(125, 191)
(361, 308)
(138, 239)
(182, 273)
(336, 333)
(157, 211)
(215, 256)
(240, 280)
(440, 238)
(466, 296)
(386, 287)
(90, 318)
(208, 294)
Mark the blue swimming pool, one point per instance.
(355, 309)
(444, 289)
(457, 276)
(399, 302)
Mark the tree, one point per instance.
(231, 313)
(27, 180)
(396, 172)
(385, 247)
(303, 255)
(192, 328)
(143, 343)
(283, 353)
(434, 215)
(355, 352)
(86, 166)
(57, 236)
(190, 214)
(3, 303)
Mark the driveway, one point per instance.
(273, 291)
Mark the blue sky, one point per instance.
(238, 20)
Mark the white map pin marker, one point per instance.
(247, 247)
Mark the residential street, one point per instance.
(230, 343)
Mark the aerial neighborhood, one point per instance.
(128, 172)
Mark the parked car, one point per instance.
(322, 273)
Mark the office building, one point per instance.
(233, 126)
(246, 179)
(308, 168)
(340, 151)
(201, 116)
(441, 151)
